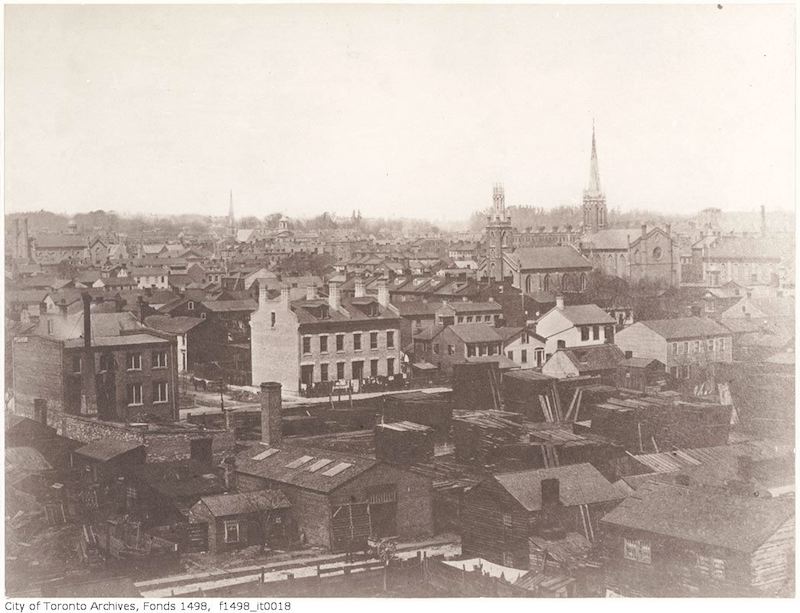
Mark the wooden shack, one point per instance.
(641, 374)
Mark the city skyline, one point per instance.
(161, 110)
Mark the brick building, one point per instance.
(304, 343)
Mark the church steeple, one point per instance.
(594, 170)
(231, 218)
(594, 201)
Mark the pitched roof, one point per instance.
(585, 314)
(594, 357)
(245, 502)
(172, 325)
(686, 327)
(476, 333)
(428, 333)
(473, 307)
(226, 306)
(578, 484)
(107, 449)
(319, 470)
(550, 258)
(614, 238)
(702, 515)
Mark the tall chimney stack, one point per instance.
(333, 295)
(359, 290)
(763, 221)
(87, 319)
(383, 293)
(560, 302)
(285, 295)
(271, 413)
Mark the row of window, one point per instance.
(357, 345)
(639, 550)
(687, 347)
(523, 356)
(160, 393)
(133, 361)
(595, 333)
(356, 369)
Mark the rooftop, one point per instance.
(686, 327)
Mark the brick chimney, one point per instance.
(359, 289)
(87, 319)
(550, 524)
(229, 473)
(333, 296)
(560, 302)
(383, 293)
(311, 291)
(271, 413)
(88, 381)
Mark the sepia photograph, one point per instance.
(389, 301)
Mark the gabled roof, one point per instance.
(578, 484)
(592, 358)
(584, 314)
(476, 333)
(702, 515)
(550, 258)
(686, 327)
(417, 307)
(428, 333)
(223, 505)
(611, 239)
(319, 470)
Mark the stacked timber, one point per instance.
(477, 386)
(403, 442)
(481, 436)
(432, 410)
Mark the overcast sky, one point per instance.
(404, 111)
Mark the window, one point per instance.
(722, 344)
(389, 367)
(134, 361)
(49, 326)
(202, 315)
(637, 550)
(357, 369)
(160, 359)
(373, 340)
(686, 347)
(323, 372)
(710, 567)
(272, 319)
(190, 305)
(710, 344)
(106, 362)
(231, 531)
(306, 344)
(436, 348)
(657, 253)
(561, 344)
(340, 371)
(487, 318)
(596, 332)
(674, 348)
(510, 355)
(696, 348)
(373, 368)
(584, 333)
(390, 339)
(323, 343)
(469, 319)
(539, 357)
(461, 319)
(451, 350)
(507, 521)
(340, 342)
(160, 393)
(357, 341)
(470, 351)
(76, 364)
(609, 330)
(135, 394)
(524, 356)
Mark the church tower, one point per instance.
(231, 218)
(594, 201)
(498, 235)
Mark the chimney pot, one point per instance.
(333, 295)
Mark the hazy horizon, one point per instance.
(399, 111)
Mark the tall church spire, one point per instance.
(594, 170)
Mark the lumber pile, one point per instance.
(480, 436)
(403, 442)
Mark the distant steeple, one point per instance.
(231, 219)
(594, 170)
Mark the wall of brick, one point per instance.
(37, 373)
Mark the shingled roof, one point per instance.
(578, 484)
(550, 258)
(686, 327)
(702, 515)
